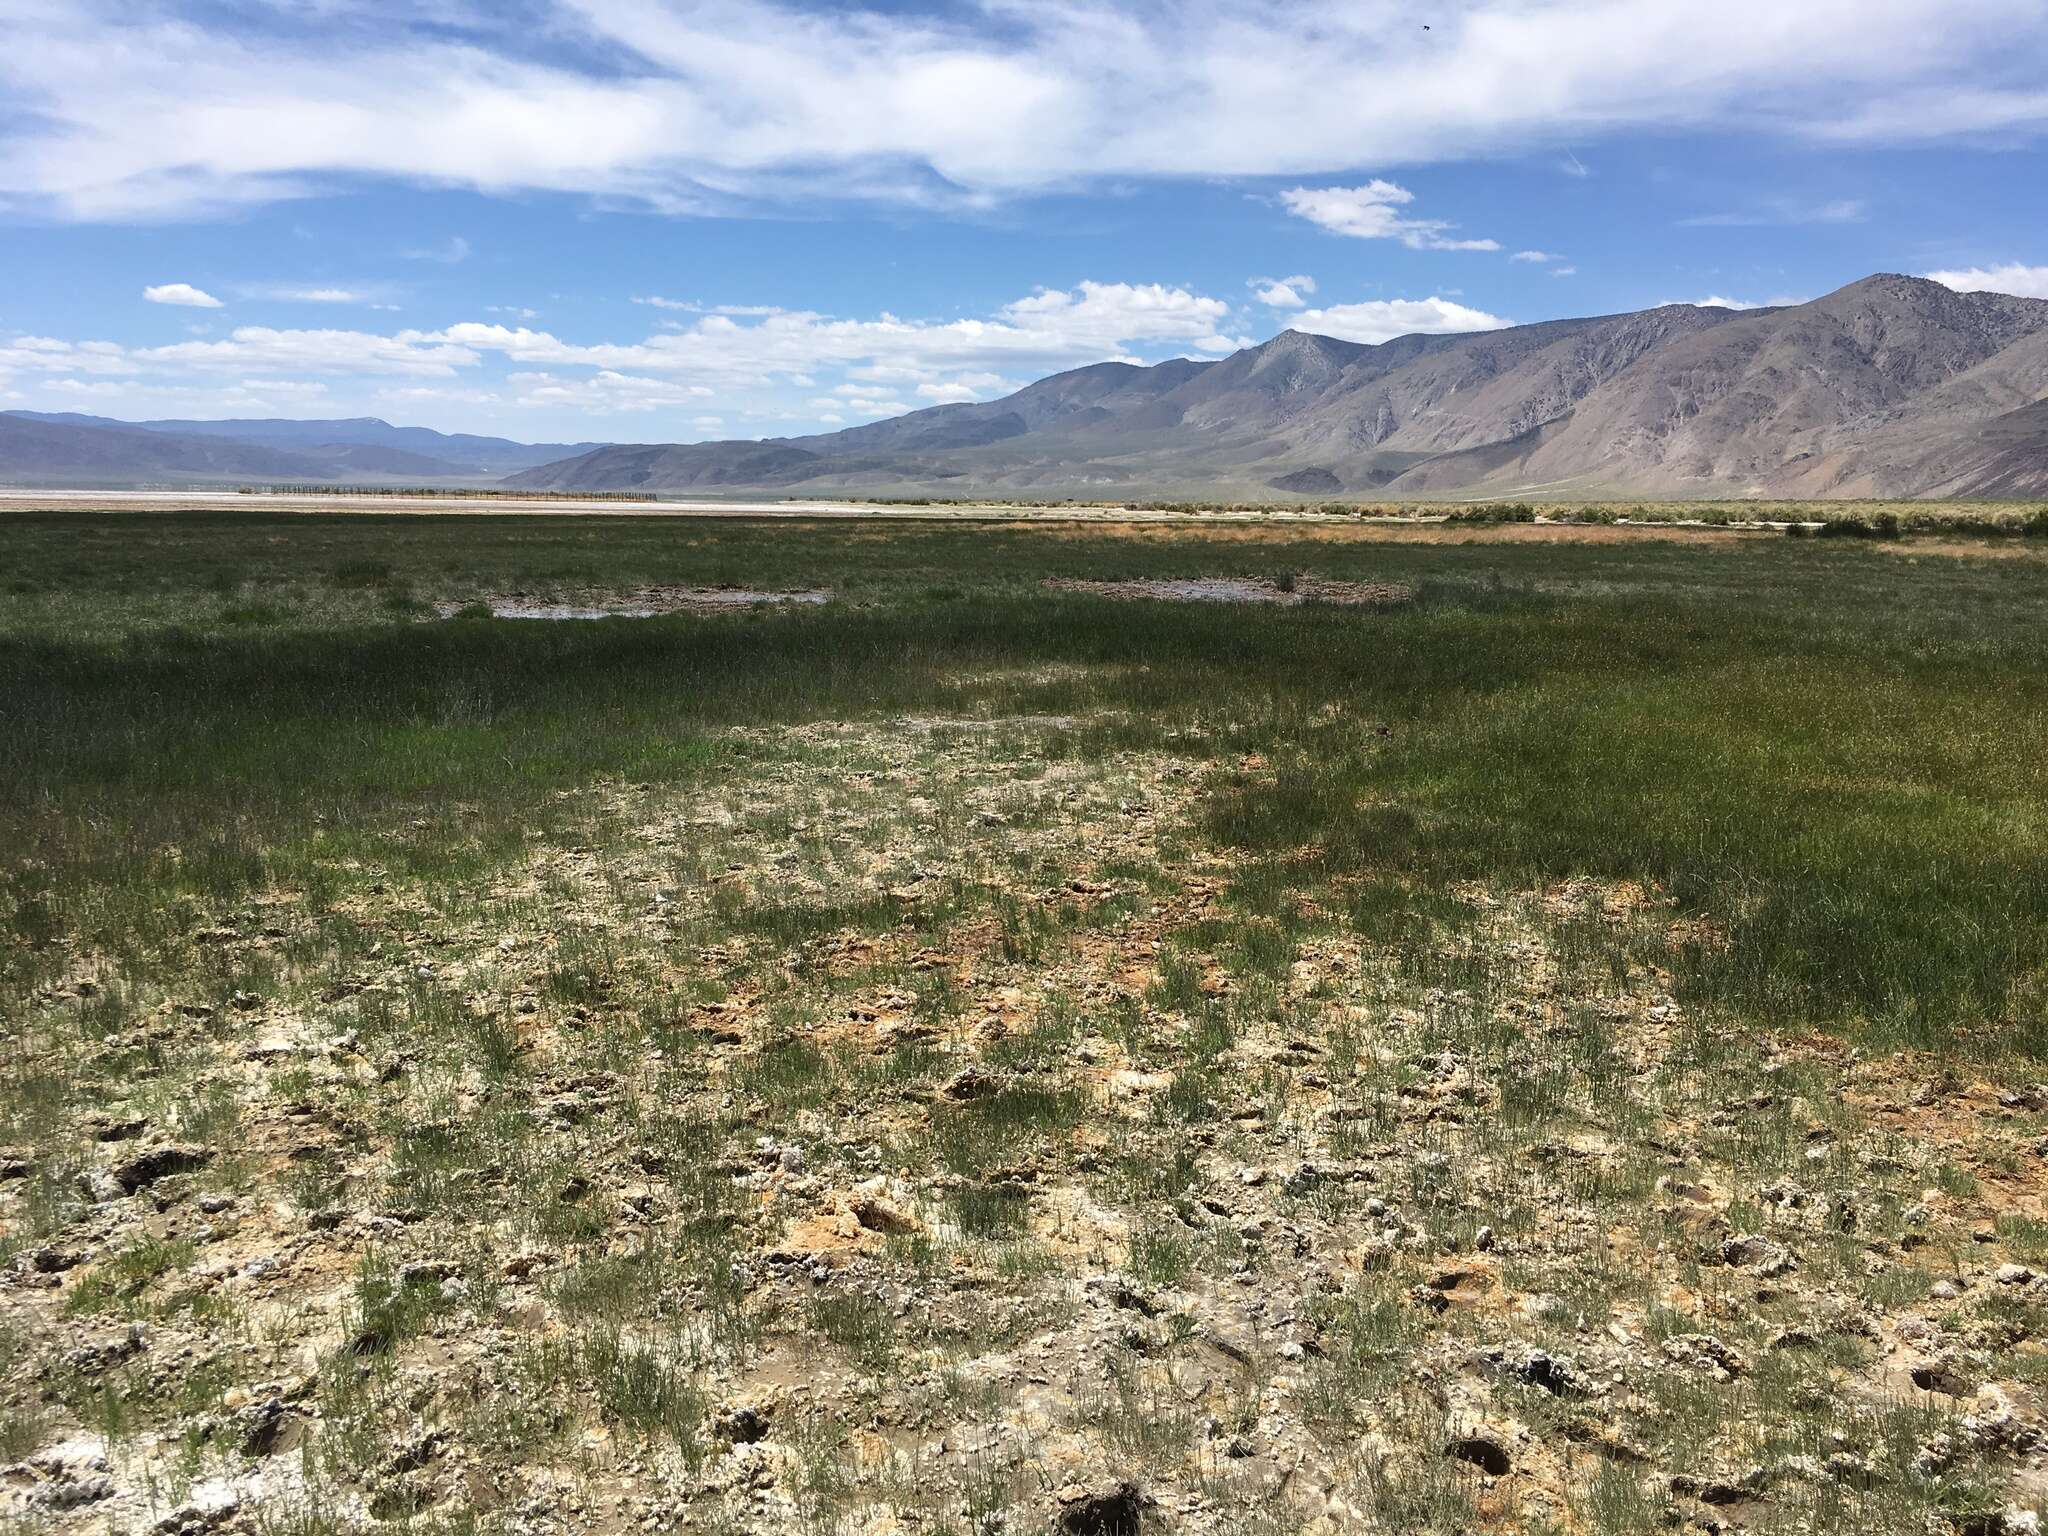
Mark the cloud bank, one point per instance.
(2013, 277)
(751, 366)
(137, 109)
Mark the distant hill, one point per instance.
(1892, 386)
(43, 450)
(354, 448)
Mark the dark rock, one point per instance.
(743, 1425)
(1483, 1452)
(1108, 1509)
(267, 1428)
(1555, 1374)
(146, 1167)
(1308, 482)
(1709, 1490)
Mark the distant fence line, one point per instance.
(432, 493)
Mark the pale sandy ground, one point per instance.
(1425, 528)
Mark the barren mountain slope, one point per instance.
(1886, 387)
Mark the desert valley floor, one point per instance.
(1005, 1027)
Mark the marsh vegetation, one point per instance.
(1554, 1047)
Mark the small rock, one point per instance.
(107, 1350)
(100, 1186)
(1758, 1253)
(1704, 1352)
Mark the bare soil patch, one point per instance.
(646, 603)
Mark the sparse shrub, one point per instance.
(787, 1072)
(989, 1211)
(1496, 512)
(362, 572)
(22, 1429)
(642, 1389)
(1160, 1254)
(1179, 987)
(859, 1324)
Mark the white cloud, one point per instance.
(605, 393)
(413, 396)
(285, 293)
(2027, 282)
(262, 349)
(752, 364)
(246, 349)
(48, 355)
(449, 253)
(1115, 314)
(1564, 271)
(691, 307)
(973, 386)
(1054, 326)
(1717, 301)
(1373, 212)
(1847, 210)
(1536, 256)
(181, 293)
(1378, 320)
(1283, 292)
(121, 110)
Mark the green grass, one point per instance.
(1829, 750)
(1232, 951)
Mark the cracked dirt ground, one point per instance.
(1554, 1048)
(916, 1135)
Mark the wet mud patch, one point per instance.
(643, 603)
(1237, 589)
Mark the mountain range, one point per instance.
(1891, 387)
(65, 446)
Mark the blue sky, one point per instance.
(685, 219)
